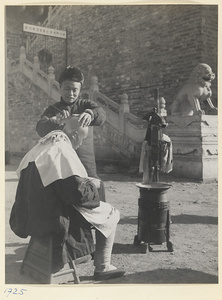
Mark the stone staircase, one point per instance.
(122, 132)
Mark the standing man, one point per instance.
(90, 114)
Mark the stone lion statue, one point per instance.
(195, 93)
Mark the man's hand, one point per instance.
(85, 119)
(61, 116)
(96, 181)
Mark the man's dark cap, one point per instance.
(71, 73)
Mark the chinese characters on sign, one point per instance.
(44, 31)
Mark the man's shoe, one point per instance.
(109, 274)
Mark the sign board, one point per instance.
(44, 31)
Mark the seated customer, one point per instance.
(56, 197)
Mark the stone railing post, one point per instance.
(49, 14)
(162, 106)
(94, 87)
(36, 66)
(51, 78)
(22, 57)
(27, 44)
(124, 108)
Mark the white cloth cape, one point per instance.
(54, 158)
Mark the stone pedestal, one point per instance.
(195, 146)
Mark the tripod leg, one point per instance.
(169, 244)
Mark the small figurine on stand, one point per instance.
(151, 161)
(156, 156)
(156, 153)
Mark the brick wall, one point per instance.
(132, 49)
(135, 49)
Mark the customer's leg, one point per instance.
(102, 256)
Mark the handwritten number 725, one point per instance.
(14, 291)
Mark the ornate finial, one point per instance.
(162, 104)
(124, 99)
(22, 52)
(51, 70)
(36, 60)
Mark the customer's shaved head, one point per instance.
(75, 131)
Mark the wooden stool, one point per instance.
(38, 263)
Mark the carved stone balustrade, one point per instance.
(195, 146)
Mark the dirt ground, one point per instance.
(193, 233)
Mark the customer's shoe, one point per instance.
(110, 274)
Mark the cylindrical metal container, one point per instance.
(153, 213)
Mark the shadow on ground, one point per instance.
(125, 248)
(179, 219)
(194, 219)
(164, 276)
(128, 220)
(158, 276)
(13, 265)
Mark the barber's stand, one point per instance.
(153, 205)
